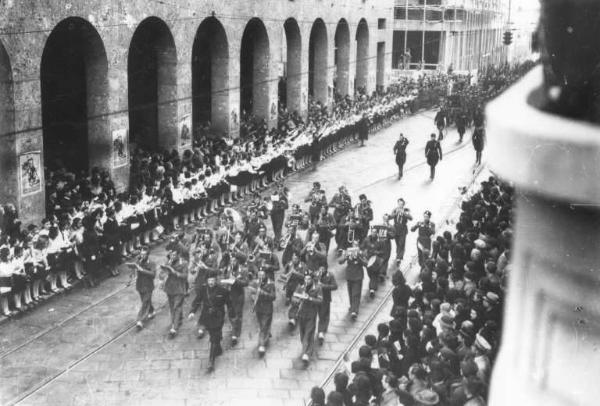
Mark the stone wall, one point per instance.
(26, 27)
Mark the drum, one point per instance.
(374, 263)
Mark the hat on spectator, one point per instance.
(480, 244)
(212, 274)
(413, 314)
(482, 344)
(467, 329)
(492, 298)
(468, 367)
(426, 397)
(447, 321)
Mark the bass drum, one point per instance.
(374, 263)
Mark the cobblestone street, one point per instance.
(80, 348)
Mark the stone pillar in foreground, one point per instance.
(550, 353)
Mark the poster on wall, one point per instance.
(120, 144)
(185, 131)
(30, 173)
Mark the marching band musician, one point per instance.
(325, 226)
(263, 290)
(262, 241)
(372, 247)
(279, 204)
(307, 300)
(426, 229)
(342, 204)
(386, 234)
(294, 273)
(205, 260)
(268, 261)
(235, 278)
(290, 243)
(145, 271)
(212, 299)
(401, 216)
(175, 286)
(239, 248)
(364, 212)
(252, 225)
(317, 200)
(328, 284)
(313, 253)
(355, 274)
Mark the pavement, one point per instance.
(80, 348)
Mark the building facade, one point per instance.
(82, 80)
(440, 34)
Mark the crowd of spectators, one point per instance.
(89, 227)
(443, 337)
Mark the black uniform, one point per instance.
(401, 219)
(212, 316)
(306, 313)
(461, 125)
(400, 152)
(478, 143)
(328, 284)
(263, 307)
(440, 122)
(278, 215)
(426, 231)
(237, 295)
(433, 153)
(144, 284)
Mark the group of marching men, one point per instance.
(217, 264)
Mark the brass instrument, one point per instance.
(351, 234)
(285, 240)
(258, 291)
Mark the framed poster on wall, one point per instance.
(120, 143)
(185, 131)
(30, 173)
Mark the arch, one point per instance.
(254, 70)
(210, 76)
(7, 127)
(317, 62)
(74, 90)
(293, 65)
(362, 55)
(342, 58)
(152, 78)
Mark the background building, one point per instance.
(439, 34)
(80, 82)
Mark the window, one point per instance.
(381, 23)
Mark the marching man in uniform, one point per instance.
(401, 216)
(176, 287)
(294, 274)
(263, 290)
(307, 299)
(328, 284)
(426, 231)
(145, 271)
(355, 274)
(433, 153)
(212, 299)
(400, 152)
(235, 277)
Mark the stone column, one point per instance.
(549, 353)
(117, 48)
